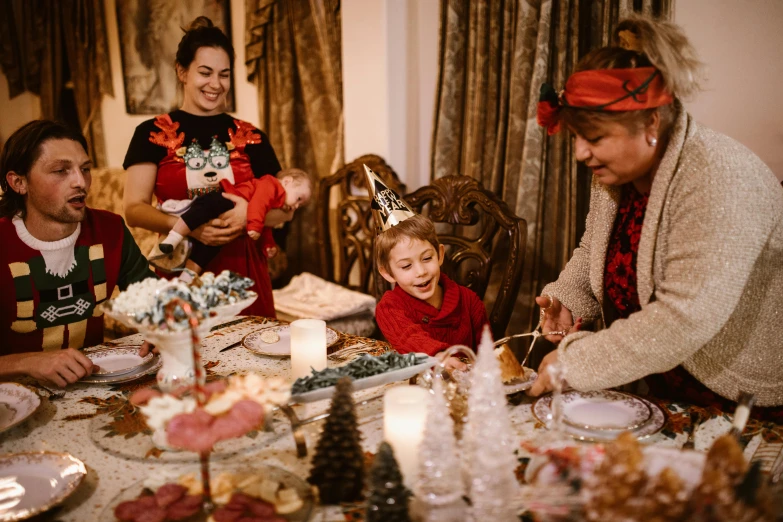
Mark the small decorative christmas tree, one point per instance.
(487, 442)
(388, 500)
(338, 464)
(439, 489)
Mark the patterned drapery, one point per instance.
(494, 56)
(40, 40)
(293, 55)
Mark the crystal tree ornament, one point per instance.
(487, 443)
(389, 497)
(338, 464)
(439, 489)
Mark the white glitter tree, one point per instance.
(439, 489)
(488, 444)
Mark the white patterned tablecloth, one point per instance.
(64, 425)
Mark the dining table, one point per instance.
(98, 425)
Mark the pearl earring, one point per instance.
(653, 142)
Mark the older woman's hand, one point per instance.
(556, 317)
(229, 226)
(544, 382)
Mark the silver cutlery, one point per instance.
(695, 423)
(52, 395)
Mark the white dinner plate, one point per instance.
(369, 382)
(117, 361)
(35, 482)
(542, 410)
(604, 410)
(281, 347)
(142, 371)
(17, 402)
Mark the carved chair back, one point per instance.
(484, 240)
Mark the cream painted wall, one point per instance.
(740, 41)
(390, 73)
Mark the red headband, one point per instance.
(610, 90)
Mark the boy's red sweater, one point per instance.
(412, 325)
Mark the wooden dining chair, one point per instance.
(484, 240)
(344, 226)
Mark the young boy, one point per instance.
(426, 312)
(290, 190)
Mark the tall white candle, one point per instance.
(308, 346)
(404, 415)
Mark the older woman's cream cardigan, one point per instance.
(709, 269)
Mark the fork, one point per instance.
(53, 395)
(695, 423)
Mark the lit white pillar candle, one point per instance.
(404, 415)
(308, 347)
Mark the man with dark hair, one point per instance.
(60, 260)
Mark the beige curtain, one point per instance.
(494, 56)
(293, 55)
(41, 39)
(86, 48)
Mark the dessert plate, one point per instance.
(117, 361)
(517, 385)
(276, 341)
(521, 383)
(17, 402)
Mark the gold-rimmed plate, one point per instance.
(142, 371)
(604, 410)
(542, 411)
(17, 403)
(275, 341)
(36, 482)
(117, 360)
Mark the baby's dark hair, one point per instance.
(416, 227)
(202, 33)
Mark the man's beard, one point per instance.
(66, 215)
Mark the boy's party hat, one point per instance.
(388, 207)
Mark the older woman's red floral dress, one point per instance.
(621, 290)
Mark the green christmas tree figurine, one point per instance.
(338, 464)
(388, 496)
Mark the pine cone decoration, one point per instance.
(666, 500)
(388, 500)
(619, 482)
(729, 489)
(338, 464)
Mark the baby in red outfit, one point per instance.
(290, 190)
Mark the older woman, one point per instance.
(682, 256)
